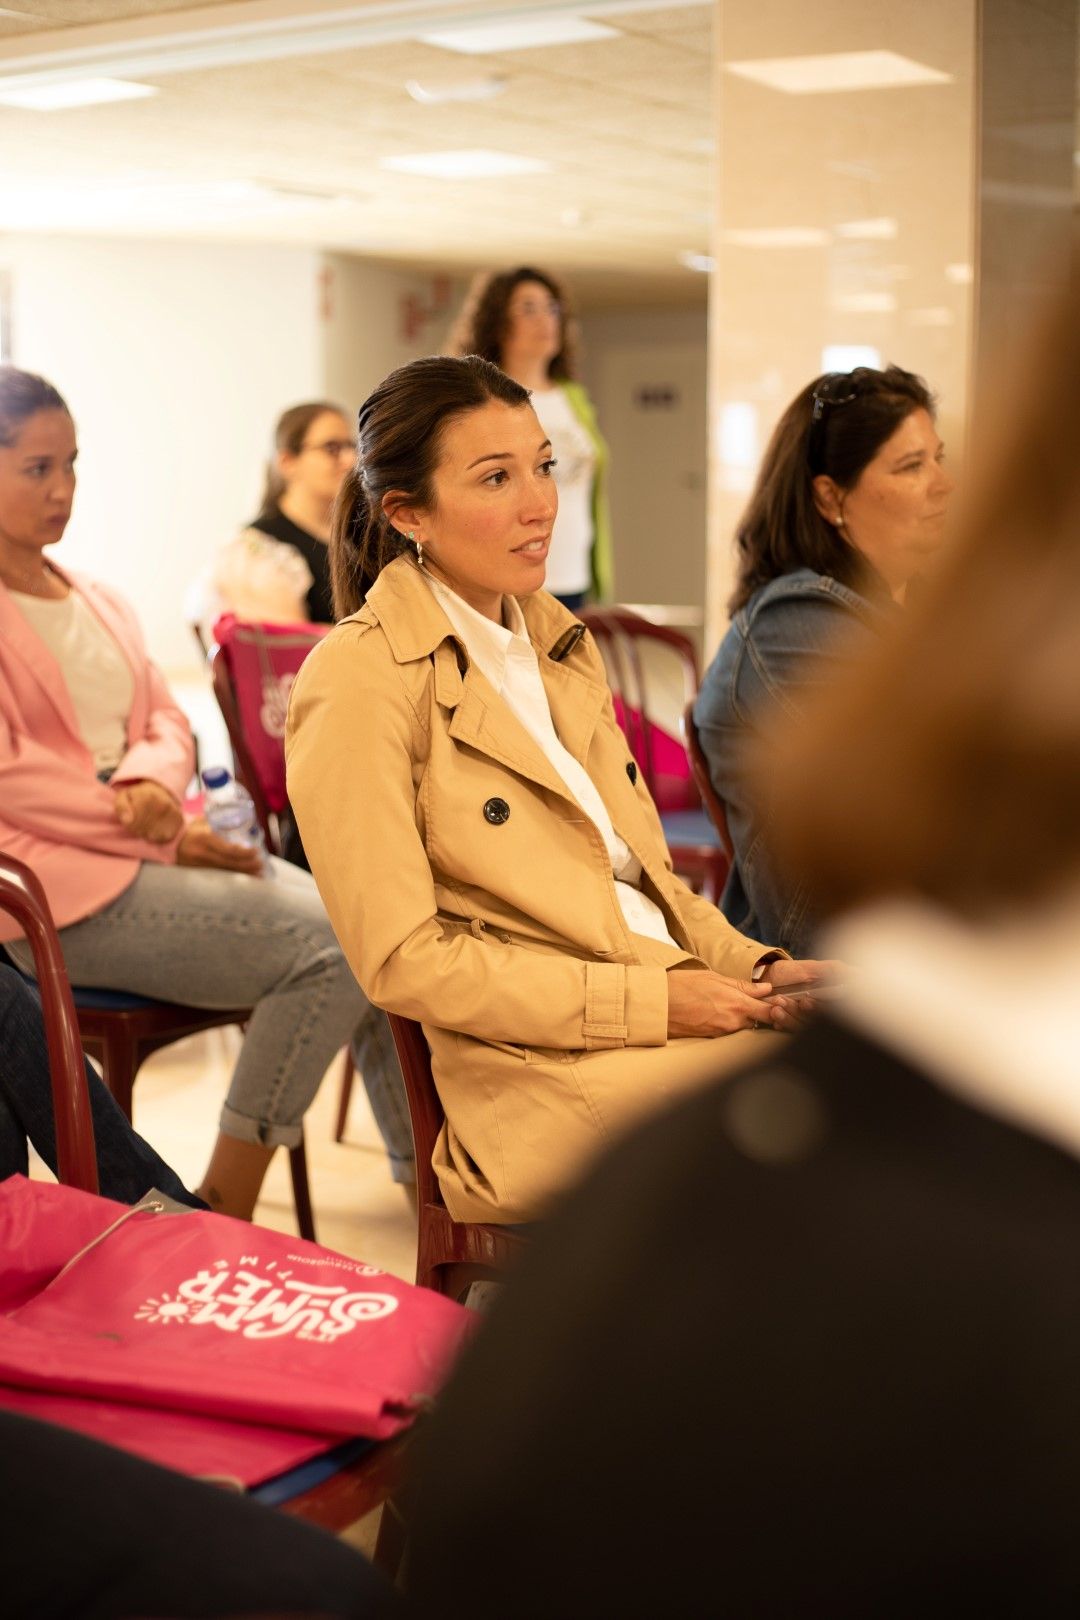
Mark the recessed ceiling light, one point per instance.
(839, 70)
(697, 261)
(434, 95)
(865, 303)
(518, 34)
(778, 236)
(937, 316)
(475, 164)
(74, 93)
(151, 201)
(867, 230)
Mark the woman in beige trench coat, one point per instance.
(467, 886)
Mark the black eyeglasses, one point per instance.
(836, 389)
(333, 447)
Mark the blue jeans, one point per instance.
(218, 939)
(127, 1166)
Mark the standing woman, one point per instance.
(278, 569)
(519, 320)
(95, 756)
(849, 506)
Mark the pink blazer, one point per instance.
(54, 813)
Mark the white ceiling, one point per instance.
(289, 149)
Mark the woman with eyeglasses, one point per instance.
(849, 505)
(519, 320)
(278, 569)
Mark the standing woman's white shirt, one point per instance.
(569, 562)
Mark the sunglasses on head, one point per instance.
(836, 389)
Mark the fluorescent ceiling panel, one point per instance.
(150, 200)
(867, 230)
(475, 164)
(839, 70)
(74, 93)
(519, 34)
(865, 303)
(435, 95)
(778, 236)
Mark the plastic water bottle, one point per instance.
(230, 810)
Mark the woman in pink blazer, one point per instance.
(95, 757)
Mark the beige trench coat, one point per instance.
(469, 891)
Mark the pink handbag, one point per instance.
(263, 660)
(203, 1342)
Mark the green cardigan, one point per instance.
(602, 565)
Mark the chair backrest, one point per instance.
(712, 801)
(425, 1109)
(22, 897)
(653, 673)
(260, 662)
(243, 764)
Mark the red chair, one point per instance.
(23, 898)
(635, 652)
(450, 1255)
(712, 801)
(118, 1028)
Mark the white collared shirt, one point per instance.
(991, 1012)
(507, 659)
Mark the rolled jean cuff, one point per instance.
(402, 1171)
(262, 1132)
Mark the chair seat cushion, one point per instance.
(689, 827)
(112, 1000)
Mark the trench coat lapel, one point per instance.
(481, 720)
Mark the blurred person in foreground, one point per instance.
(521, 321)
(809, 1345)
(849, 507)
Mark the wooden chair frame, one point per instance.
(450, 1255)
(23, 898)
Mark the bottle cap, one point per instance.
(216, 776)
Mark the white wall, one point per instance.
(646, 372)
(378, 316)
(175, 358)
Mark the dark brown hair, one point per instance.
(22, 395)
(400, 433)
(782, 529)
(481, 327)
(949, 767)
(290, 432)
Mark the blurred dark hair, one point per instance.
(22, 395)
(290, 431)
(782, 529)
(400, 433)
(482, 324)
(948, 765)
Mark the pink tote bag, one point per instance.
(263, 661)
(204, 1342)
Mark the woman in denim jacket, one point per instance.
(849, 504)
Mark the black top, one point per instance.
(315, 552)
(806, 1345)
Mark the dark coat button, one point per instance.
(496, 811)
(631, 771)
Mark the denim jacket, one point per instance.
(794, 633)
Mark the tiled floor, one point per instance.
(358, 1209)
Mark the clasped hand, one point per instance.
(703, 1003)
